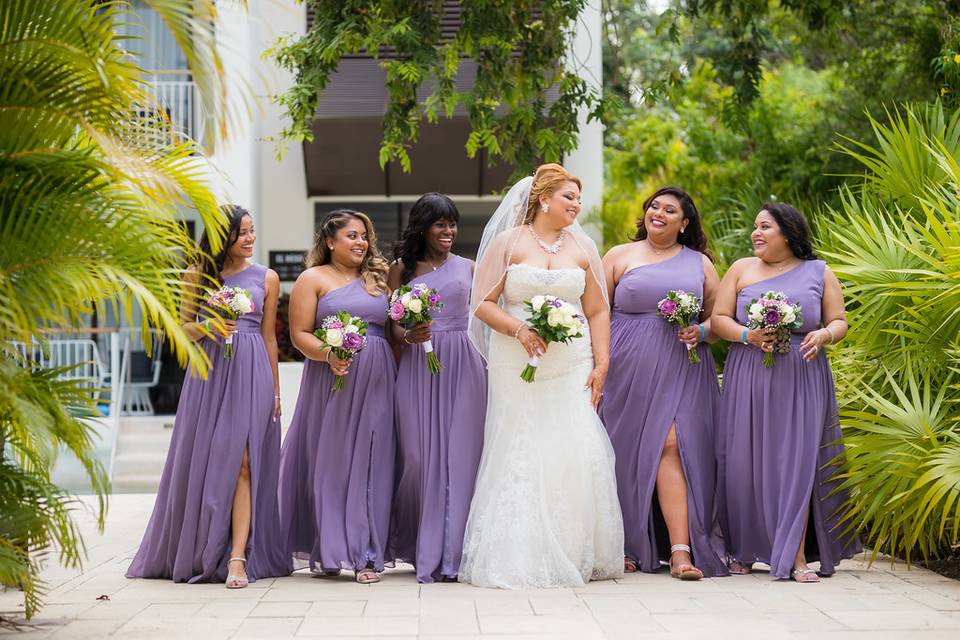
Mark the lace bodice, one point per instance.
(525, 281)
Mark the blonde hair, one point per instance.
(547, 179)
(373, 269)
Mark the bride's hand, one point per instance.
(531, 341)
(595, 382)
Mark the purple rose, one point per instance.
(434, 298)
(772, 317)
(668, 307)
(396, 311)
(352, 341)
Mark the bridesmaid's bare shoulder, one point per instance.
(317, 280)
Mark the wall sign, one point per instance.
(287, 264)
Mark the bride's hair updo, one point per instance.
(546, 181)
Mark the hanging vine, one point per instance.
(522, 106)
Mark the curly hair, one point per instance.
(412, 245)
(693, 236)
(373, 269)
(210, 265)
(794, 228)
(547, 179)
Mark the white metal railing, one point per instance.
(176, 101)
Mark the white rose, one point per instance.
(756, 309)
(572, 324)
(405, 299)
(335, 337)
(554, 317)
(537, 302)
(351, 328)
(789, 316)
(415, 305)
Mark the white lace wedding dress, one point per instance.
(545, 511)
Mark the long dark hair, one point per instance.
(412, 245)
(212, 264)
(693, 236)
(373, 269)
(794, 228)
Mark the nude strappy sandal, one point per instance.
(237, 582)
(685, 570)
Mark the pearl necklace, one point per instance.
(549, 248)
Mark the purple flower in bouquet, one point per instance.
(410, 306)
(682, 308)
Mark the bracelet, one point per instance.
(830, 333)
(703, 333)
(206, 325)
(516, 334)
(405, 331)
(743, 337)
(326, 358)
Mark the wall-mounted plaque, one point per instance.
(287, 264)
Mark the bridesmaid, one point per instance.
(658, 406)
(216, 517)
(439, 416)
(336, 469)
(779, 426)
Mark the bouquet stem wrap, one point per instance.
(433, 363)
(530, 371)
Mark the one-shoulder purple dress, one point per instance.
(336, 467)
(651, 385)
(440, 421)
(780, 431)
(188, 537)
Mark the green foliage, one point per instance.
(894, 241)
(93, 182)
(519, 47)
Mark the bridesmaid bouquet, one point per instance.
(555, 320)
(411, 306)
(230, 303)
(682, 308)
(346, 335)
(773, 310)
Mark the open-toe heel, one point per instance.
(237, 582)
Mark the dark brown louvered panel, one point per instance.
(449, 26)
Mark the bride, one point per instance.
(545, 511)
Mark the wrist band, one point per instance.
(206, 325)
(276, 397)
(743, 337)
(703, 333)
(516, 334)
(830, 333)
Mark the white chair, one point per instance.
(143, 373)
(80, 354)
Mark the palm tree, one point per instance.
(895, 244)
(93, 182)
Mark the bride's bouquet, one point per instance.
(346, 336)
(682, 308)
(230, 303)
(773, 310)
(410, 306)
(555, 320)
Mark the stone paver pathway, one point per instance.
(876, 603)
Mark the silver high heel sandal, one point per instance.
(237, 582)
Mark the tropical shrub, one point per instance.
(894, 241)
(93, 182)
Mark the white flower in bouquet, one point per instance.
(335, 337)
(537, 302)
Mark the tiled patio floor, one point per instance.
(876, 603)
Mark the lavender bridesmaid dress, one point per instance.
(652, 384)
(188, 537)
(336, 467)
(780, 432)
(440, 433)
